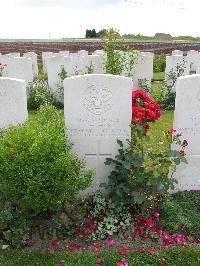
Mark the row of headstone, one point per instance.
(72, 65)
(98, 112)
(192, 60)
(14, 66)
(82, 63)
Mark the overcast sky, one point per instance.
(70, 18)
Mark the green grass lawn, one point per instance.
(158, 76)
(177, 256)
(156, 91)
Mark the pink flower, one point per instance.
(150, 223)
(123, 262)
(122, 251)
(100, 260)
(95, 250)
(55, 243)
(156, 215)
(95, 227)
(153, 230)
(151, 251)
(182, 152)
(110, 242)
(159, 230)
(96, 245)
(165, 235)
(142, 250)
(197, 241)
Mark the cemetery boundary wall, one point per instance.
(74, 45)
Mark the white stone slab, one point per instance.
(173, 63)
(97, 112)
(97, 64)
(177, 52)
(187, 122)
(194, 59)
(82, 53)
(64, 53)
(13, 102)
(142, 69)
(18, 67)
(33, 57)
(54, 66)
(12, 55)
(45, 56)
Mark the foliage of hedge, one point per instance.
(38, 170)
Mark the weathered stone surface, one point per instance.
(187, 122)
(13, 102)
(97, 113)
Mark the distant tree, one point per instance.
(102, 33)
(88, 34)
(93, 33)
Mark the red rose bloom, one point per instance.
(144, 110)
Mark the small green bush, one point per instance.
(39, 173)
(159, 63)
(39, 94)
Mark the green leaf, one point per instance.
(147, 138)
(138, 197)
(120, 143)
(177, 161)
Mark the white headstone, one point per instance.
(194, 59)
(99, 52)
(33, 57)
(46, 55)
(12, 55)
(141, 69)
(64, 53)
(177, 52)
(175, 63)
(54, 67)
(18, 67)
(187, 122)
(13, 103)
(82, 53)
(97, 112)
(96, 62)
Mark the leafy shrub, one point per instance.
(39, 94)
(159, 63)
(62, 75)
(140, 176)
(181, 212)
(169, 94)
(116, 61)
(14, 228)
(38, 170)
